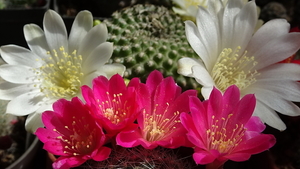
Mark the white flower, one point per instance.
(189, 8)
(55, 66)
(231, 54)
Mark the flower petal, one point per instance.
(33, 122)
(196, 43)
(98, 57)
(273, 99)
(17, 74)
(16, 55)
(203, 157)
(111, 69)
(202, 76)
(25, 104)
(185, 66)
(269, 116)
(97, 35)
(80, 27)
(277, 50)
(128, 139)
(269, 31)
(8, 90)
(55, 31)
(36, 40)
(102, 154)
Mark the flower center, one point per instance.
(222, 136)
(61, 74)
(158, 126)
(78, 141)
(114, 109)
(196, 3)
(232, 69)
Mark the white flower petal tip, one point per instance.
(233, 55)
(55, 66)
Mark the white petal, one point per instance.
(269, 31)
(244, 25)
(16, 55)
(194, 39)
(55, 31)
(111, 69)
(25, 104)
(98, 57)
(36, 40)
(282, 71)
(205, 91)
(81, 25)
(33, 122)
(227, 22)
(17, 74)
(97, 35)
(8, 91)
(268, 116)
(209, 32)
(287, 90)
(202, 76)
(185, 66)
(277, 50)
(274, 101)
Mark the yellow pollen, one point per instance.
(222, 136)
(158, 126)
(234, 69)
(61, 74)
(114, 108)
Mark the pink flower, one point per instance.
(72, 133)
(112, 103)
(159, 123)
(222, 128)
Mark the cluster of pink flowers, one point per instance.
(152, 114)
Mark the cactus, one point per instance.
(141, 158)
(148, 37)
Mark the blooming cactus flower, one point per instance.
(231, 55)
(222, 128)
(158, 124)
(56, 66)
(113, 103)
(72, 133)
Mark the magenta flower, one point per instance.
(113, 103)
(222, 128)
(72, 133)
(159, 123)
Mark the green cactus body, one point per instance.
(149, 37)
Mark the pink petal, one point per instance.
(102, 154)
(67, 162)
(203, 157)
(164, 95)
(215, 105)
(116, 84)
(199, 114)
(255, 124)
(128, 139)
(154, 78)
(244, 109)
(44, 134)
(193, 133)
(239, 156)
(54, 147)
(256, 144)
